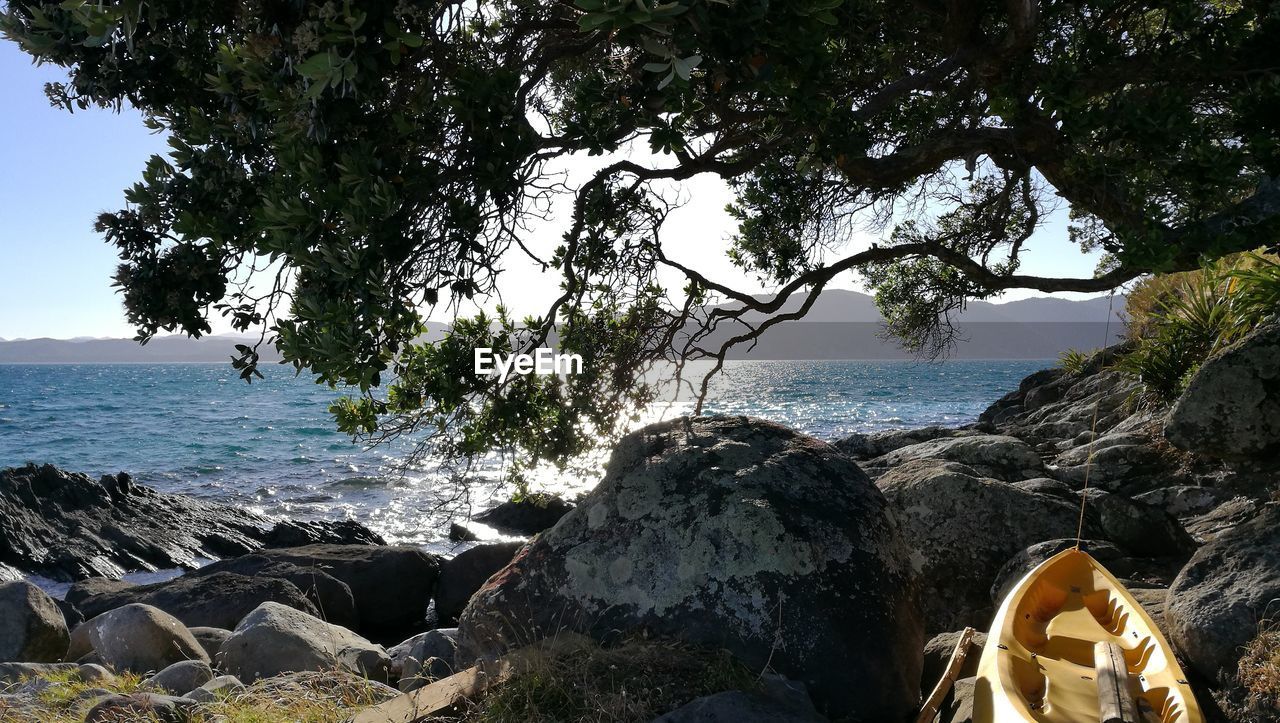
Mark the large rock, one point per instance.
(1117, 458)
(180, 678)
(297, 533)
(962, 529)
(1229, 586)
(107, 527)
(116, 708)
(391, 585)
(998, 456)
(736, 706)
(1138, 527)
(211, 639)
(1231, 408)
(876, 444)
(1052, 406)
(136, 638)
(938, 652)
(32, 629)
(217, 600)
(735, 533)
(465, 573)
(332, 597)
(276, 639)
(526, 516)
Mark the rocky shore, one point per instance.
(844, 568)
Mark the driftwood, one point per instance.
(934, 702)
(447, 695)
(1115, 695)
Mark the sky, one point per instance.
(60, 170)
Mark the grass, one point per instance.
(1074, 361)
(323, 697)
(634, 681)
(1259, 673)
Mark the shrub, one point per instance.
(1074, 361)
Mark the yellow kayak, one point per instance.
(1046, 655)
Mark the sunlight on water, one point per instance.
(271, 447)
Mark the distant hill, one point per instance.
(841, 325)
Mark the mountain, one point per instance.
(841, 325)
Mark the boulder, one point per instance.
(1231, 408)
(331, 597)
(1184, 500)
(429, 656)
(217, 689)
(1048, 486)
(136, 638)
(93, 673)
(15, 672)
(276, 639)
(1221, 595)
(391, 585)
(1027, 560)
(107, 527)
(958, 706)
(1229, 514)
(962, 529)
(737, 706)
(937, 653)
(211, 639)
(297, 533)
(140, 706)
(93, 587)
(180, 678)
(528, 515)
(876, 444)
(734, 533)
(1118, 458)
(32, 629)
(465, 573)
(998, 456)
(1031, 416)
(1137, 527)
(217, 600)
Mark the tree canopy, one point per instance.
(339, 168)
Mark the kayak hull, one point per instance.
(1038, 664)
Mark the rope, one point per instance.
(1093, 428)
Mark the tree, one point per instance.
(337, 167)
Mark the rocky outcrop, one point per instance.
(218, 600)
(526, 516)
(110, 526)
(32, 629)
(735, 533)
(465, 573)
(877, 444)
(1231, 408)
(1053, 410)
(276, 639)
(1219, 599)
(136, 638)
(391, 585)
(998, 456)
(962, 528)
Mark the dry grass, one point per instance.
(634, 681)
(1259, 673)
(66, 699)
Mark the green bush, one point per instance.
(1074, 361)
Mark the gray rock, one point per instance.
(1118, 458)
(962, 529)
(32, 629)
(92, 673)
(141, 706)
(391, 585)
(1231, 408)
(14, 672)
(958, 707)
(1218, 599)
(868, 446)
(1027, 560)
(736, 706)
(211, 639)
(1048, 486)
(937, 653)
(729, 532)
(276, 639)
(1235, 511)
(431, 656)
(219, 688)
(217, 600)
(180, 678)
(1184, 500)
(136, 638)
(464, 574)
(1001, 457)
(94, 587)
(1139, 528)
(527, 516)
(332, 598)
(297, 533)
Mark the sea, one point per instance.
(271, 446)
